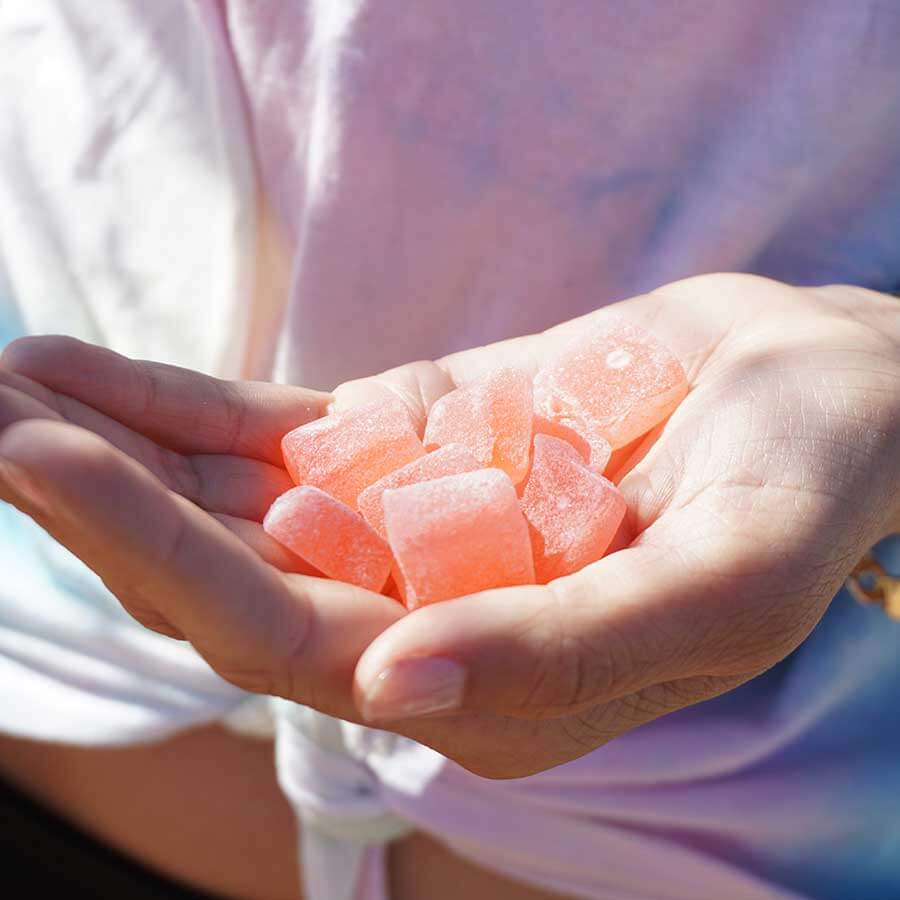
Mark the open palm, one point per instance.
(748, 508)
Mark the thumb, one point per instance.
(627, 622)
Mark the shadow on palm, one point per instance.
(746, 513)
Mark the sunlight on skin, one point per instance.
(749, 507)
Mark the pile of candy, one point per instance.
(505, 488)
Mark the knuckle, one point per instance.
(175, 541)
(279, 665)
(134, 602)
(293, 629)
(253, 679)
(147, 387)
(234, 416)
(178, 473)
(555, 674)
(570, 670)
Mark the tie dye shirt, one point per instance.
(318, 189)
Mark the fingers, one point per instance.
(529, 353)
(231, 485)
(150, 547)
(417, 384)
(16, 406)
(180, 409)
(181, 572)
(234, 485)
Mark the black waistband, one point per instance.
(50, 857)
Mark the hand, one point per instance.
(139, 486)
(748, 510)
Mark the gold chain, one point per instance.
(869, 583)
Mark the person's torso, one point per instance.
(434, 176)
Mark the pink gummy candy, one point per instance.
(616, 383)
(597, 456)
(492, 417)
(345, 453)
(330, 536)
(457, 535)
(453, 459)
(573, 513)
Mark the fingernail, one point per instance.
(22, 485)
(414, 687)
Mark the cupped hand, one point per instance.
(158, 478)
(748, 509)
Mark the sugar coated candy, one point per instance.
(343, 454)
(491, 416)
(573, 513)
(457, 535)
(597, 456)
(615, 382)
(330, 536)
(452, 459)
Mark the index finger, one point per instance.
(688, 334)
(179, 408)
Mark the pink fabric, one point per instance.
(412, 177)
(447, 174)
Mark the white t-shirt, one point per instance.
(313, 190)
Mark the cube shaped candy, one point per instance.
(344, 453)
(330, 536)
(596, 457)
(453, 459)
(457, 535)
(572, 512)
(615, 382)
(492, 417)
